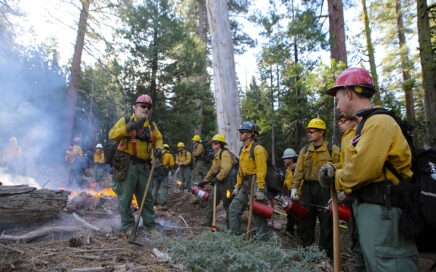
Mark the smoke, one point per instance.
(32, 109)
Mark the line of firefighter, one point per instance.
(357, 170)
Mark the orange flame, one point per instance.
(179, 182)
(92, 191)
(228, 194)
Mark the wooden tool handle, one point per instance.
(250, 215)
(336, 238)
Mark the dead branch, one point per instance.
(39, 233)
(12, 249)
(129, 267)
(101, 250)
(84, 222)
(91, 257)
(184, 221)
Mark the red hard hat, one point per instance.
(354, 77)
(144, 99)
(76, 139)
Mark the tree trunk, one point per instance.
(370, 48)
(226, 92)
(404, 55)
(338, 50)
(25, 205)
(428, 67)
(202, 34)
(75, 70)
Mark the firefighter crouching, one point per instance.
(183, 160)
(310, 160)
(249, 167)
(375, 199)
(132, 162)
(199, 154)
(160, 179)
(219, 174)
(289, 159)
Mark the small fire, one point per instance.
(179, 182)
(228, 194)
(98, 194)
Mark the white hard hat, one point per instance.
(289, 153)
(99, 146)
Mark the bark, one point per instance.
(370, 49)
(428, 66)
(224, 75)
(202, 33)
(338, 50)
(26, 205)
(75, 70)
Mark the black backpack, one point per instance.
(274, 177)
(418, 219)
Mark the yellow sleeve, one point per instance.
(171, 160)
(239, 177)
(187, 160)
(260, 158)
(157, 137)
(226, 165)
(336, 154)
(299, 170)
(118, 131)
(213, 169)
(288, 179)
(198, 150)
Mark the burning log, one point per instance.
(26, 205)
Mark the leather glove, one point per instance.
(326, 175)
(260, 195)
(202, 184)
(157, 153)
(134, 125)
(294, 194)
(235, 192)
(214, 181)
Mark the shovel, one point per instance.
(214, 209)
(250, 215)
(135, 227)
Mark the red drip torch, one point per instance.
(202, 193)
(263, 209)
(344, 212)
(294, 208)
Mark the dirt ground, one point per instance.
(108, 249)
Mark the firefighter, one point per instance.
(99, 164)
(11, 156)
(161, 180)
(77, 150)
(375, 201)
(289, 159)
(198, 154)
(139, 142)
(249, 166)
(219, 174)
(183, 160)
(310, 159)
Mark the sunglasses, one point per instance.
(244, 131)
(215, 142)
(312, 131)
(145, 106)
(342, 120)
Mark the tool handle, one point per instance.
(214, 208)
(336, 241)
(250, 215)
(135, 227)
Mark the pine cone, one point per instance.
(75, 241)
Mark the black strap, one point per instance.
(329, 148)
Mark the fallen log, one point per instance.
(39, 233)
(124, 267)
(24, 205)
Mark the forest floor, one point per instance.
(108, 249)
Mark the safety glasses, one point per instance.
(311, 131)
(145, 106)
(242, 131)
(215, 142)
(342, 120)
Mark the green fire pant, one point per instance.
(135, 183)
(160, 184)
(313, 193)
(221, 194)
(198, 172)
(99, 172)
(237, 207)
(185, 176)
(384, 247)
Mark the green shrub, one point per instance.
(217, 251)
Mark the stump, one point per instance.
(26, 205)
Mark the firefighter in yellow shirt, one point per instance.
(183, 160)
(251, 163)
(99, 164)
(160, 178)
(220, 174)
(198, 154)
(310, 160)
(139, 142)
(375, 199)
(289, 159)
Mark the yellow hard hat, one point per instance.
(166, 146)
(13, 139)
(180, 144)
(219, 138)
(196, 138)
(317, 123)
